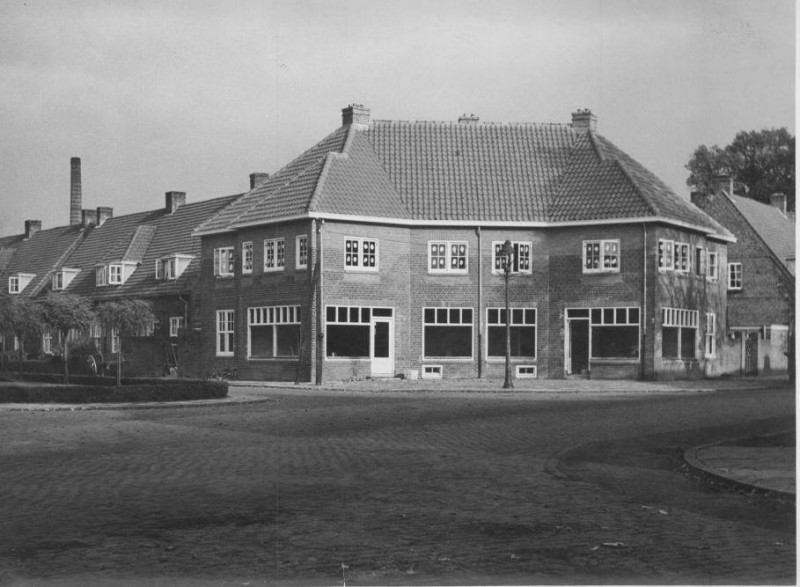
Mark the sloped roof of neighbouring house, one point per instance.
(464, 172)
(143, 238)
(776, 229)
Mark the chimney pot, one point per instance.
(75, 191)
(779, 201)
(355, 114)
(258, 178)
(103, 214)
(88, 217)
(468, 119)
(32, 227)
(174, 200)
(584, 120)
(723, 182)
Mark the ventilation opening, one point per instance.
(526, 371)
(431, 371)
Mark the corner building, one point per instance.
(377, 252)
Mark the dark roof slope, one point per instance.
(776, 229)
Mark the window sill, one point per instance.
(449, 359)
(219, 354)
(525, 360)
(616, 361)
(342, 359)
(356, 270)
(604, 272)
(231, 276)
(271, 359)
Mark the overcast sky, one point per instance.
(195, 95)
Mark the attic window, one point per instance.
(113, 273)
(62, 279)
(172, 266)
(17, 283)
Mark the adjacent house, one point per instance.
(380, 252)
(760, 278)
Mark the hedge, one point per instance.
(104, 390)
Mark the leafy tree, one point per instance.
(21, 317)
(129, 318)
(761, 163)
(64, 312)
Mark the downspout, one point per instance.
(480, 306)
(320, 307)
(643, 350)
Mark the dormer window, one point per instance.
(114, 273)
(62, 279)
(172, 266)
(18, 282)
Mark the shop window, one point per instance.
(347, 330)
(447, 332)
(274, 331)
(678, 333)
(615, 333)
(523, 332)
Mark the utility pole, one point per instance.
(507, 253)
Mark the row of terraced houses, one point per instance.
(378, 252)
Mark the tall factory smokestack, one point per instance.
(75, 191)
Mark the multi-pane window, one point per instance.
(247, 257)
(523, 332)
(447, 332)
(447, 256)
(225, 329)
(114, 274)
(114, 339)
(601, 256)
(301, 252)
(273, 331)
(175, 324)
(274, 254)
(47, 341)
(713, 266)
(13, 284)
(361, 253)
(520, 260)
(615, 333)
(710, 334)
(666, 255)
(223, 261)
(682, 261)
(700, 262)
(347, 330)
(678, 333)
(734, 276)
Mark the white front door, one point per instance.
(382, 346)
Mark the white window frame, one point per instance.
(710, 344)
(448, 256)
(471, 325)
(355, 261)
(224, 262)
(247, 257)
(712, 266)
(114, 339)
(603, 267)
(515, 323)
(700, 261)
(681, 252)
(665, 255)
(497, 263)
(175, 324)
(13, 284)
(225, 332)
(115, 274)
(301, 251)
(101, 276)
(47, 341)
(271, 316)
(622, 316)
(274, 254)
(735, 276)
(680, 318)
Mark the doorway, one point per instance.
(382, 351)
(576, 351)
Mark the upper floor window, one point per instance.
(682, 261)
(175, 324)
(447, 257)
(301, 252)
(247, 257)
(361, 253)
(734, 276)
(700, 262)
(601, 256)
(274, 254)
(520, 261)
(223, 261)
(713, 266)
(674, 256)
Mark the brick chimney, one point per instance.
(779, 201)
(88, 217)
(103, 214)
(32, 227)
(723, 183)
(584, 120)
(468, 119)
(174, 200)
(75, 191)
(258, 178)
(355, 114)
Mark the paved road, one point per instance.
(309, 488)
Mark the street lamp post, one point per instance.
(507, 254)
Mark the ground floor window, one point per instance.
(523, 332)
(225, 328)
(615, 333)
(710, 334)
(678, 333)
(47, 341)
(447, 332)
(273, 331)
(175, 324)
(347, 330)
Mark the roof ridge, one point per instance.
(596, 146)
(323, 175)
(458, 124)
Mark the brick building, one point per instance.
(377, 252)
(760, 279)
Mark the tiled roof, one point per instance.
(41, 254)
(8, 246)
(549, 173)
(777, 230)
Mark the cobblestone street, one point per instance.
(325, 488)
